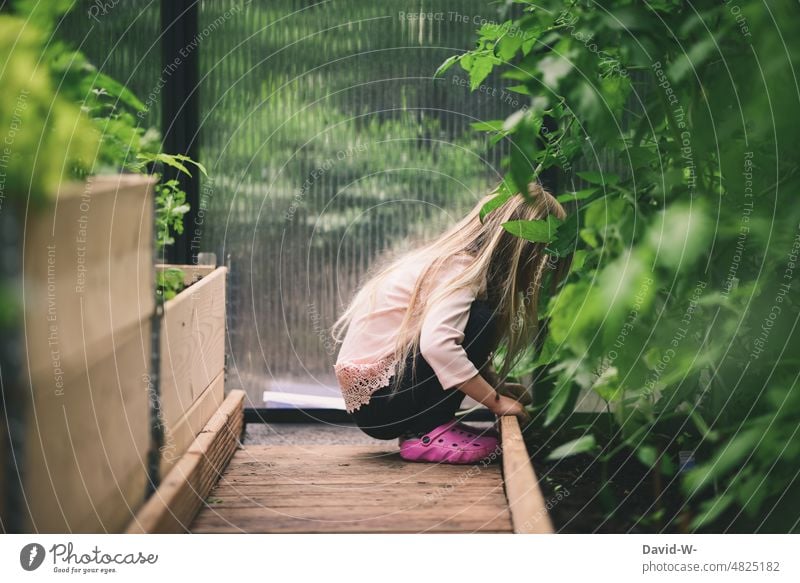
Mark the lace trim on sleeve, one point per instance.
(359, 380)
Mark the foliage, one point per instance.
(171, 205)
(169, 282)
(45, 135)
(673, 127)
(117, 142)
(120, 142)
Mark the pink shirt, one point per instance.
(365, 361)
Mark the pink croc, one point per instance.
(450, 443)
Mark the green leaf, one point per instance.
(449, 62)
(502, 196)
(697, 54)
(536, 231)
(508, 46)
(531, 36)
(480, 68)
(576, 446)
(711, 509)
(607, 385)
(577, 195)
(495, 125)
(731, 454)
(118, 90)
(647, 454)
(173, 160)
(521, 89)
(558, 401)
(566, 237)
(184, 158)
(578, 260)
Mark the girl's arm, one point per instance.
(480, 390)
(516, 391)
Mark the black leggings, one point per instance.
(419, 403)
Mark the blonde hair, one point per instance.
(509, 268)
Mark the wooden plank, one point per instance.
(353, 519)
(176, 502)
(87, 272)
(213, 447)
(398, 500)
(349, 476)
(351, 490)
(180, 434)
(525, 500)
(379, 463)
(173, 506)
(86, 448)
(192, 344)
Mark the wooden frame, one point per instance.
(174, 505)
(525, 500)
(192, 358)
(88, 302)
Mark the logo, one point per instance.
(31, 556)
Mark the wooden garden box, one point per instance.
(88, 303)
(192, 359)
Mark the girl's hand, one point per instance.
(508, 406)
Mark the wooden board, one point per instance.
(88, 300)
(86, 449)
(180, 434)
(525, 500)
(171, 508)
(344, 488)
(192, 347)
(87, 272)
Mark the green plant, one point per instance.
(115, 143)
(46, 136)
(675, 148)
(171, 205)
(169, 282)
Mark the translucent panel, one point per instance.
(329, 142)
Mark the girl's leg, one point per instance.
(419, 403)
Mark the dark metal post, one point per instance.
(12, 384)
(180, 114)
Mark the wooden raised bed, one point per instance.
(173, 506)
(192, 359)
(88, 302)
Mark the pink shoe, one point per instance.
(450, 443)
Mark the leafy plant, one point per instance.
(171, 205)
(169, 282)
(663, 125)
(116, 143)
(46, 136)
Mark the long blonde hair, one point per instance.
(509, 268)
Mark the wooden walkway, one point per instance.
(340, 488)
(220, 485)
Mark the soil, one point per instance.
(629, 498)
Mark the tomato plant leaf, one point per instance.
(536, 231)
(580, 445)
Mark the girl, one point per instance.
(421, 332)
